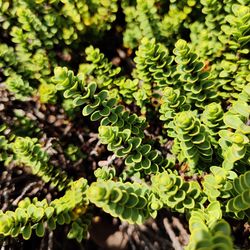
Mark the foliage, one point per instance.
(148, 102)
(176, 193)
(207, 233)
(28, 152)
(130, 202)
(32, 215)
(239, 203)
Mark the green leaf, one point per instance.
(38, 214)
(21, 216)
(116, 195)
(124, 198)
(60, 219)
(51, 223)
(95, 116)
(126, 214)
(132, 200)
(189, 203)
(5, 223)
(221, 226)
(145, 149)
(78, 101)
(239, 204)
(103, 95)
(26, 232)
(145, 163)
(135, 215)
(137, 157)
(87, 110)
(232, 121)
(142, 202)
(49, 212)
(40, 229)
(237, 186)
(92, 88)
(15, 231)
(67, 217)
(246, 197)
(31, 209)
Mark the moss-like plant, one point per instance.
(240, 202)
(140, 157)
(193, 142)
(213, 236)
(176, 193)
(34, 215)
(198, 85)
(130, 202)
(28, 152)
(149, 100)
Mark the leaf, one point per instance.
(21, 216)
(105, 111)
(67, 217)
(31, 208)
(246, 197)
(142, 202)
(241, 108)
(221, 226)
(95, 116)
(145, 163)
(232, 121)
(135, 215)
(237, 186)
(189, 203)
(116, 195)
(40, 229)
(126, 214)
(145, 149)
(136, 142)
(26, 232)
(15, 231)
(112, 118)
(125, 197)
(132, 200)
(38, 214)
(119, 210)
(247, 179)
(137, 157)
(239, 203)
(87, 110)
(78, 101)
(60, 219)
(92, 88)
(51, 223)
(103, 95)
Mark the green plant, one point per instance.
(28, 152)
(212, 117)
(239, 203)
(130, 202)
(176, 193)
(197, 85)
(172, 103)
(215, 235)
(136, 109)
(35, 215)
(191, 139)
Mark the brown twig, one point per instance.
(25, 190)
(183, 232)
(174, 239)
